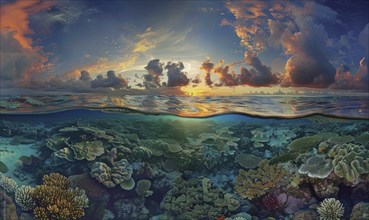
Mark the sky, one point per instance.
(184, 47)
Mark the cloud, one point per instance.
(207, 67)
(296, 28)
(155, 70)
(363, 38)
(176, 76)
(226, 77)
(259, 75)
(344, 79)
(111, 81)
(19, 58)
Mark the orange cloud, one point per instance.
(15, 19)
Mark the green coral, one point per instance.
(248, 160)
(88, 150)
(350, 161)
(362, 138)
(304, 144)
(341, 139)
(143, 188)
(255, 183)
(198, 199)
(283, 158)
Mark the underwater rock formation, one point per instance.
(7, 208)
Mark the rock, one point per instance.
(7, 207)
(25, 216)
(306, 215)
(360, 211)
(108, 215)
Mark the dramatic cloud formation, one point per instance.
(176, 76)
(207, 67)
(344, 79)
(226, 77)
(155, 71)
(259, 75)
(111, 81)
(19, 58)
(296, 28)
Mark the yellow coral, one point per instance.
(55, 200)
(255, 183)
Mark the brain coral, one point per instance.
(255, 183)
(350, 161)
(24, 198)
(316, 167)
(112, 176)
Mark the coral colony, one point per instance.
(184, 110)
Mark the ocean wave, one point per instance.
(285, 106)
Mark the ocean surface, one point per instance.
(168, 157)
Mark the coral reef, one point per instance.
(350, 161)
(316, 167)
(7, 208)
(197, 199)
(255, 183)
(8, 184)
(56, 200)
(248, 160)
(304, 144)
(3, 167)
(24, 198)
(88, 150)
(360, 211)
(112, 176)
(143, 188)
(330, 209)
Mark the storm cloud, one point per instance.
(176, 76)
(111, 81)
(155, 70)
(207, 67)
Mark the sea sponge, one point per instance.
(24, 198)
(316, 167)
(331, 209)
(88, 150)
(58, 201)
(143, 188)
(304, 144)
(350, 161)
(248, 160)
(8, 184)
(255, 183)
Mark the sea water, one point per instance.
(157, 157)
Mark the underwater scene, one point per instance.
(113, 163)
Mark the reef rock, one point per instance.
(7, 207)
(360, 211)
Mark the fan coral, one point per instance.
(88, 150)
(316, 167)
(55, 200)
(248, 160)
(255, 183)
(350, 161)
(330, 209)
(24, 198)
(8, 184)
(143, 188)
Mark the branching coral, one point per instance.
(330, 209)
(8, 184)
(56, 200)
(197, 199)
(255, 183)
(24, 198)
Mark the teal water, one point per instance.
(115, 164)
